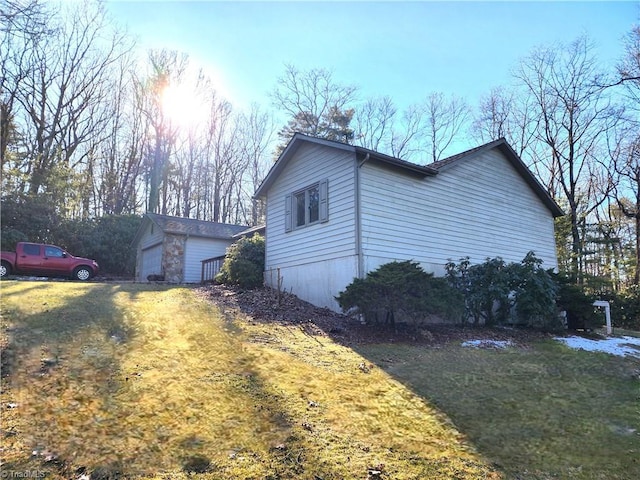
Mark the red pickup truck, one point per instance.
(46, 261)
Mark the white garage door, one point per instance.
(151, 262)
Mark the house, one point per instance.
(336, 211)
(175, 247)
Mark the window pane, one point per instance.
(314, 204)
(52, 252)
(31, 249)
(300, 212)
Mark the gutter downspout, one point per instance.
(358, 211)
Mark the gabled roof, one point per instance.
(513, 158)
(363, 153)
(190, 227)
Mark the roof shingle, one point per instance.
(196, 228)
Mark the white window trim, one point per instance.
(323, 206)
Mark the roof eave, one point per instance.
(141, 228)
(287, 153)
(412, 168)
(533, 182)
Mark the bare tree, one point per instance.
(625, 177)
(444, 119)
(374, 122)
(60, 86)
(166, 68)
(574, 115)
(380, 126)
(313, 101)
(629, 66)
(256, 135)
(406, 139)
(22, 26)
(510, 114)
(119, 163)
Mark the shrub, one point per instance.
(485, 287)
(625, 308)
(27, 218)
(107, 239)
(110, 243)
(577, 304)
(494, 290)
(535, 293)
(244, 263)
(400, 290)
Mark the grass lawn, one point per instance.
(150, 381)
(146, 381)
(540, 412)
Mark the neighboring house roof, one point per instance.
(259, 229)
(513, 158)
(362, 153)
(191, 227)
(421, 170)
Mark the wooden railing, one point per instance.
(210, 268)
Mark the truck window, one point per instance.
(30, 249)
(53, 252)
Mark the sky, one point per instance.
(405, 50)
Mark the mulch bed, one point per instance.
(266, 305)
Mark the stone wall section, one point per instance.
(173, 257)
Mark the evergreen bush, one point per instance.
(577, 304)
(497, 293)
(244, 263)
(400, 290)
(625, 307)
(535, 292)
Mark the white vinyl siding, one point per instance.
(152, 236)
(334, 238)
(325, 251)
(480, 207)
(198, 249)
(317, 283)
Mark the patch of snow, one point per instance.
(487, 343)
(614, 345)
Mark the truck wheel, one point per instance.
(5, 270)
(82, 273)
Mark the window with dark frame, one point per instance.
(307, 207)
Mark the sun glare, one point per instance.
(183, 106)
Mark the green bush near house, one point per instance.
(244, 263)
(398, 291)
(498, 293)
(577, 304)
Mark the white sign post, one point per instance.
(607, 313)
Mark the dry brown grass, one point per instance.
(152, 381)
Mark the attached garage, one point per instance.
(174, 247)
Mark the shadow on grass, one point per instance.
(534, 410)
(79, 409)
(59, 336)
